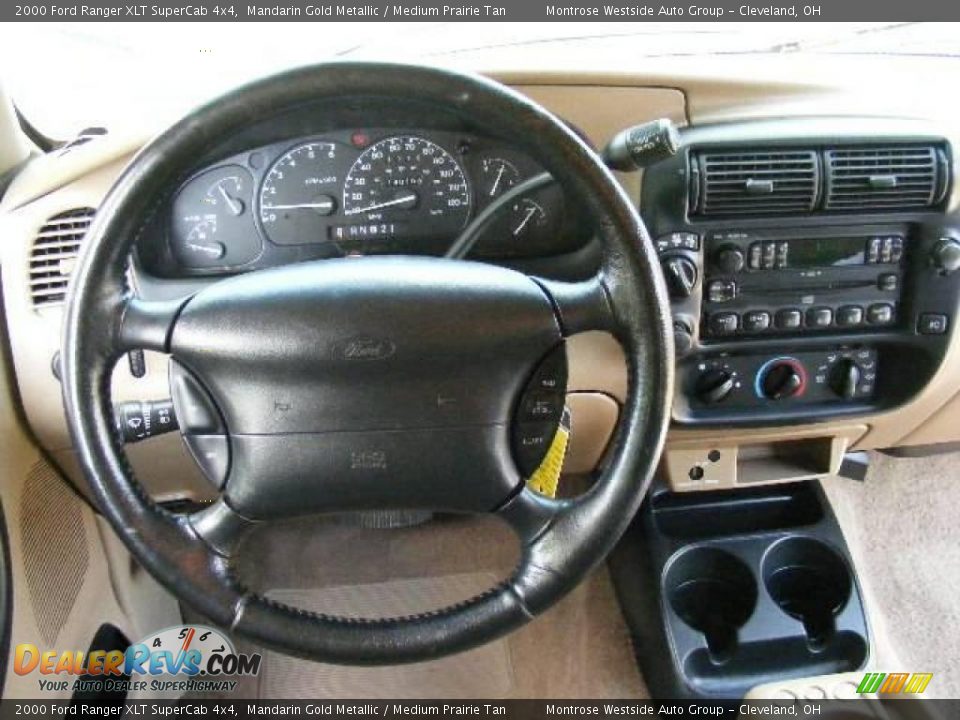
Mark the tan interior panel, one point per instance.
(593, 417)
(752, 458)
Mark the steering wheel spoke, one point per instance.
(529, 514)
(221, 527)
(148, 324)
(580, 306)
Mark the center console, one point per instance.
(811, 267)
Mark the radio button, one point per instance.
(880, 314)
(886, 250)
(897, 251)
(756, 320)
(769, 255)
(849, 315)
(789, 319)
(724, 323)
(756, 256)
(783, 250)
(820, 317)
(873, 250)
(888, 282)
(719, 291)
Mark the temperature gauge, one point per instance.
(212, 226)
(526, 216)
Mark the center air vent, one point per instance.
(54, 254)
(885, 178)
(752, 183)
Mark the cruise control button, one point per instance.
(541, 405)
(551, 374)
(530, 443)
(820, 317)
(789, 319)
(756, 320)
(724, 323)
(880, 314)
(932, 324)
(849, 315)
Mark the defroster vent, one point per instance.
(54, 254)
(754, 183)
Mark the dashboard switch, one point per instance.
(142, 420)
(845, 378)
(932, 324)
(781, 378)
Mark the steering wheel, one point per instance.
(326, 377)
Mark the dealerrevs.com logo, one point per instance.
(179, 658)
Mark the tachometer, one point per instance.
(300, 192)
(407, 185)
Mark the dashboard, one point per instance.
(358, 191)
(741, 282)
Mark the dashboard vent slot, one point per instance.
(885, 178)
(756, 183)
(54, 254)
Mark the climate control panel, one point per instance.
(776, 382)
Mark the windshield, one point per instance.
(66, 77)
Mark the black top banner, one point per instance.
(495, 11)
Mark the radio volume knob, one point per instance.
(946, 256)
(729, 259)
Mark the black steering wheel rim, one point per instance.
(103, 321)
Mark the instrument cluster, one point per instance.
(358, 192)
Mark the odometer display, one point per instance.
(408, 180)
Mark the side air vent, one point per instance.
(54, 254)
(755, 183)
(903, 177)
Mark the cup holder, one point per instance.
(713, 592)
(810, 582)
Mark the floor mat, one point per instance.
(901, 526)
(579, 648)
(483, 672)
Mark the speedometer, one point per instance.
(407, 185)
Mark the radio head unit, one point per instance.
(789, 281)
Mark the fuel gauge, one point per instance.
(212, 226)
(497, 176)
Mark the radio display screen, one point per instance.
(827, 252)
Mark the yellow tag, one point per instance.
(546, 478)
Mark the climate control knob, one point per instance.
(844, 378)
(714, 385)
(781, 378)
